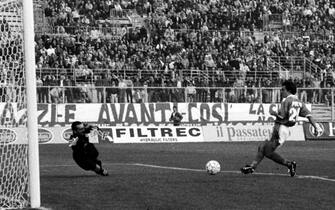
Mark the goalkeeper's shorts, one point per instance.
(86, 157)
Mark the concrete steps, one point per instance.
(322, 112)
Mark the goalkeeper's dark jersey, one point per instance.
(82, 140)
(79, 146)
(290, 108)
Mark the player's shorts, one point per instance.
(280, 134)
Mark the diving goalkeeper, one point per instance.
(84, 153)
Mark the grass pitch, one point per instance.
(172, 176)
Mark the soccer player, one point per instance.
(291, 107)
(84, 153)
(176, 117)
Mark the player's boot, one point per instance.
(292, 168)
(247, 169)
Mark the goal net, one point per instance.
(14, 172)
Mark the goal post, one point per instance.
(29, 60)
(19, 155)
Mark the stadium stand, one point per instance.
(195, 43)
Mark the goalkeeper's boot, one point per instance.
(103, 172)
(247, 169)
(292, 168)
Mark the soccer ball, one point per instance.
(213, 167)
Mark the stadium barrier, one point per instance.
(141, 114)
(232, 132)
(218, 122)
(241, 131)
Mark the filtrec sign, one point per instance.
(156, 134)
(157, 131)
(134, 134)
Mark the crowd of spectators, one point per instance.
(303, 15)
(201, 43)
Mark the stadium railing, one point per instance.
(90, 76)
(95, 94)
(295, 66)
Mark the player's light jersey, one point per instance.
(290, 108)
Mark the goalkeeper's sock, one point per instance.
(99, 163)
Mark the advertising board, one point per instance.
(240, 131)
(327, 131)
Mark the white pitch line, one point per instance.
(168, 167)
(315, 177)
(200, 170)
(233, 172)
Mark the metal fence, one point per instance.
(90, 76)
(94, 94)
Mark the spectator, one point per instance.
(129, 90)
(190, 91)
(102, 85)
(39, 84)
(69, 85)
(56, 95)
(114, 91)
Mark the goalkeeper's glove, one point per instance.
(73, 141)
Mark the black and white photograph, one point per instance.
(167, 104)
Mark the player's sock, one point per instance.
(259, 156)
(269, 152)
(254, 164)
(277, 158)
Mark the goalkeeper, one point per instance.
(84, 153)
